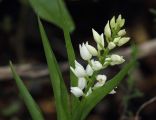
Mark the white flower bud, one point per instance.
(116, 59)
(89, 92)
(102, 43)
(107, 30)
(116, 40)
(96, 65)
(112, 22)
(108, 59)
(76, 91)
(79, 71)
(89, 70)
(112, 92)
(111, 45)
(120, 21)
(121, 32)
(91, 49)
(82, 83)
(85, 54)
(96, 36)
(119, 18)
(123, 41)
(101, 81)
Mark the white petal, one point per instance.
(91, 49)
(97, 85)
(112, 92)
(101, 78)
(76, 91)
(122, 32)
(82, 83)
(77, 64)
(101, 81)
(96, 65)
(96, 36)
(101, 46)
(107, 59)
(123, 41)
(89, 70)
(79, 70)
(116, 40)
(116, 59)
(84, 52)
(89, 92)
(120, 21)
(102, 40)
(112, 22)
(111, 45)
(107, 30)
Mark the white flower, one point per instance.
(76, 91)
(85, 54)
(116, 40)
(123, 41)
(96, 36)
(89, 92)
(120, 21)
(102, 44)
(89, 70)
(101, 81)
(79, 71)
(82, 83)
(112, 92)
(122, 32)
(112, 22)
(111, 45)
(116, 59)
(91, 49)
(96, 65)
(107, 30)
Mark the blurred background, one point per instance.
(20, 42)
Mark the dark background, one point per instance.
(20, 42)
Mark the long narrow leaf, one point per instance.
(70, 52)
(60, 91)
(49, 11)
(30, 103)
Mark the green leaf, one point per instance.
(71, 57)
(49, 10)
(59, 88)
(30, 103)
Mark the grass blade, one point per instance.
(70, 53)
(60, 91)
(30, 103)
(49, 11)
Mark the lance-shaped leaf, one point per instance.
(28, 100)
(49, 10)
(71, 55)
(59, 88)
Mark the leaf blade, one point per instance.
(49, 11)
(56, 78)
(30, 103)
